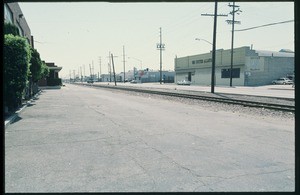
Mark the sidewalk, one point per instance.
(10, 119)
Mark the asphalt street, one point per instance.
(81, 139)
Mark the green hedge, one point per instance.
(16, 54)
(54, 82)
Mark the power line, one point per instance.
(265, 25)
(186, 18)
(214, 15)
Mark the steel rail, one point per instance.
(246, 103)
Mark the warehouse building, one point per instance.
(250, 67)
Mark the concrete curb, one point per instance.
(50, 87)
(13, 117)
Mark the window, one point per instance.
(225, 73)
(207, 60)
(8, 16)
(21, 32)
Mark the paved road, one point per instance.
(80, 139)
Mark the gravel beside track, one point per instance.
(217, 106)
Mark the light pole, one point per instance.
(213, 63)
(137, 60)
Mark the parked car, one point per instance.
(133, 81)
(282, 81)
(90, 81)
(183, 82)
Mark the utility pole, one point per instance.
(84, 71)
(93, 70)
(78, 71)
(100, 68)
(80, 74)
(74, 75)
(112, 59)
(232, 22)
(70, 75)
(160, 46)
(90, 72)
(124, 61)
(214, 45)
(109, 65)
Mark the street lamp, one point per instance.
(203, 40)
(137, 60)
(213, 59)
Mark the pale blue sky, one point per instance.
(77, 34)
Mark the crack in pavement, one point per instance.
(77, 141)
(237, 176)
(145, 171)
(173, 161)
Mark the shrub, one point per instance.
(10, 28)
(36, 65)
(16, 53)
(54, 82)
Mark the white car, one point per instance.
(133, 81)
(282, 81)
(184, 82)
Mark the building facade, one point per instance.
(250, 67)
(13, 14)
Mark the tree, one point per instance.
(36, 65)
(38, 70)
(45, 70)
(16, 53)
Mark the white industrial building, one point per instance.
(250, 67)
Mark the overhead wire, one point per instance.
(186, 18)
(183, 21)
(264, 25)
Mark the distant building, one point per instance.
(106, 78)
(154, 76)
(13, 14)
(250, 67)
(53, 78)
(142, 76)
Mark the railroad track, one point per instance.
(246, 103)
